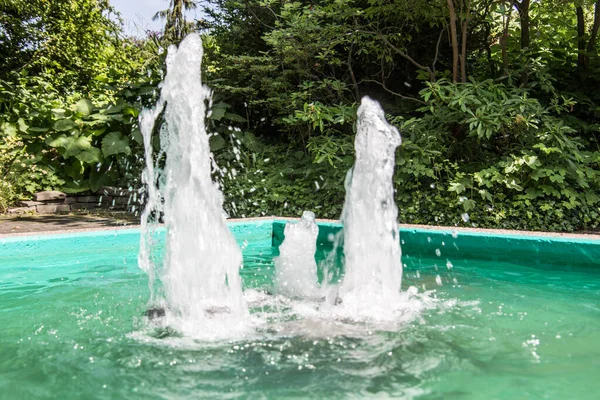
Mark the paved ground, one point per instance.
(28, 224)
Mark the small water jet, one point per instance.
(296, 268)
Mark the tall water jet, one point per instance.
(200, 272)
(296, 268)
(373, 268)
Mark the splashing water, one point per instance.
(196, 287)
(200, 273)
(296, 268)
(373, 269)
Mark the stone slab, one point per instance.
(83, 206)
(29, 203)
(20, 210)
(105, 200)
(50, 195)
(53, 208)
(121, 201)
(114, 191)
(87, 199)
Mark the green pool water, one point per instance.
(493, 330)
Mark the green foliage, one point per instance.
(513, 146)
(499, 155)
(68, 41)
(261, 179)
(57, 143)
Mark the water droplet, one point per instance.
(438, 252)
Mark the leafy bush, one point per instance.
(499, 155)
(72, 144)
(482, 154)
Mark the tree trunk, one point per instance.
(591, 47)
(523, 8)
(504, 38)
(580, 39)
(463, 54)
(464, 31)
(454, 40)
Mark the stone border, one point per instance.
(588, 236)
(55, 202)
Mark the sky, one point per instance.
(137, 14)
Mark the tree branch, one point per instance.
(382, 84)
(592, 42)
(463, 56)
(400, 52)
(453, 39)
(437, 50)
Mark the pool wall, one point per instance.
(527, 249)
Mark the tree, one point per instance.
(176, 26)
(585, 50)
(69, 41)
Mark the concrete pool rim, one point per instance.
(431, 242)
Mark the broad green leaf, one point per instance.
(38, 129)
(76, 187)
(35, 148)
(90, 156)
(22, 125)
(115, 143)
(137, 137)
(128, 110)
(96, 132)
(251, 142)
(456, 187)
(114, 109)
(468, 204)
(9, 129)
(216, 142)
(100, 117)
(70, 145)
(58, 112)
(218, 111)
(234, 117)
(75, 170)
(84, 106)
(64, 124)
(76, 145)
(102, 177)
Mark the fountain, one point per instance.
(200, 271)
(528, 309)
